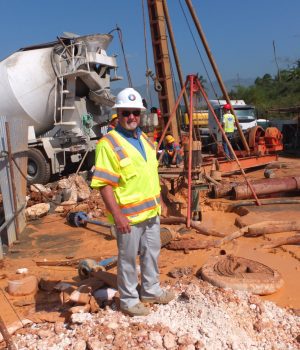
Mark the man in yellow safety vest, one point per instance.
(228, 123)
(127, 177)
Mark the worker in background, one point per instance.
(126, 175)
(228, 123)
(172, 152)
(113, 123)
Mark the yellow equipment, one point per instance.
(199, 118)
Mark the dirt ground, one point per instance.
(51, 238)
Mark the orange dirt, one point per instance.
(51, 238)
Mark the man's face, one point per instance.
(129, 118)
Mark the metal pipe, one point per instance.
(267, 186)
(175, 53)
(173, 113)
(265, 202)
(189, 204)
(12, 179)
(222, 190)
(226, 139)
(216, 71)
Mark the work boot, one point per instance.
(138, 309)
(164, 298)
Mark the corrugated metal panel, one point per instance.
(18, 136)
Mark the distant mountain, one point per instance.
(229, 84)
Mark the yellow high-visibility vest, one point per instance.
(134, 180)
(228, 121)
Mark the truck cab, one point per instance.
(246, 115)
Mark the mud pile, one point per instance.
(201, 317)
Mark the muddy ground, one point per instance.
(51, 238)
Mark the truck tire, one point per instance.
(38, 168)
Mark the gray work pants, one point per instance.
(145, 239)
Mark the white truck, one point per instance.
(245, 113)
(62, 89)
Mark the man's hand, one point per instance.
(122, 223)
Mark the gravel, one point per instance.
(201, 317)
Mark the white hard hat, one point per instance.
(129, 98)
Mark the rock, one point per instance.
(59, 209)
(80, 345)
(199, 345)
(178, 272)
(69, 190)
(81, 207)
(96, 213)
(81, 295)
(94, 305)
(186, 340)
(169, 341)
(39, 188)
(113, 325)
(80, 318)
(83, 190)
(259, 326)
(37, 211)
(186, 347)
(95, 344)
(44, 333)
(68, 203)
(156, 338)
(59, 328)
(80, 309)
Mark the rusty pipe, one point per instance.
(267, 186)
(222, 190)
(189, 208)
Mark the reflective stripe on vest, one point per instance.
(104, 174)
(148, 140)
(119, 150)
(136, 208)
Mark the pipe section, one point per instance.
(267, 186)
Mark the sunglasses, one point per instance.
(136, 113)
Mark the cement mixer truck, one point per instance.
(62, 89)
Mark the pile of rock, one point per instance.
(63, 196)
(201, 317)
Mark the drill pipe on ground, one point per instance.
(267, 186)
(222, 190)
(200, 227)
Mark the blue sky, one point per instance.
(239, 33)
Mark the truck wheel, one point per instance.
(38, 169)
